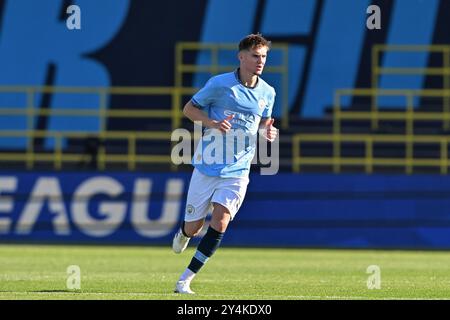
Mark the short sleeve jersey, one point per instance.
(222, 96)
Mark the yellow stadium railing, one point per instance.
(410, 115)
(102, 113)
(443, 70)
(215, 67)
(57, 156)
(369, 161)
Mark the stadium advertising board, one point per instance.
(349, 211)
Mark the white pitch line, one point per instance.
(255, 297)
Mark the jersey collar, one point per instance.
(238, 78)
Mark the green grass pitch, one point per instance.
(108, 272)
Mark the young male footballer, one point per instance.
(238, 100)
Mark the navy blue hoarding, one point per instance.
(345, 211)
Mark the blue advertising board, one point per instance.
(284, 210)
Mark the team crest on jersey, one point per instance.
(190, 209)
(261, 103)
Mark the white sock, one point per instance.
(187, 275)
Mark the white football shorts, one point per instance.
(205, 190)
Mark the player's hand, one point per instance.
(271, 132)
(224, 125)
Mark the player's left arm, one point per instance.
(269, 131)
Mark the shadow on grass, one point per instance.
(45, 291)
(57, 291)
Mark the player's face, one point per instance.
(253, 60)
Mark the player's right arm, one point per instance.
(197, 115)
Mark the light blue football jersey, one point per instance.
(222, 96)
